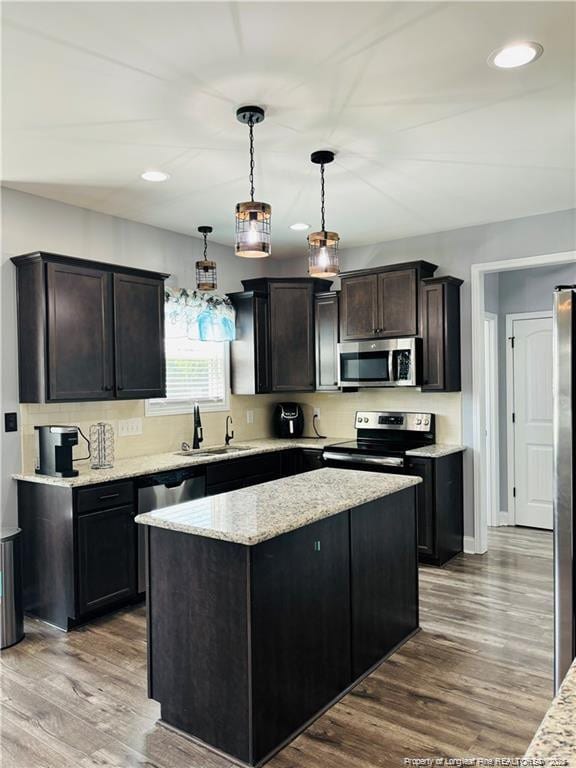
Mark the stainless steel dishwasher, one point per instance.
(165, 489)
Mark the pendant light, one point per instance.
(323, 245)
(252, 218)
(206, 269)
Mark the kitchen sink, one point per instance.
(216, 451)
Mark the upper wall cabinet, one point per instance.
(326, 325)
(274, 347)
(382, 302)
(441, 334)
(88, 330)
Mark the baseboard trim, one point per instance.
(469, 545)
(504, 517)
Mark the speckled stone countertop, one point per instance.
(555, 739)
(252, 515)
(161, 462)
(436, 451)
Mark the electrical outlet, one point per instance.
(129, 427)
(317, 412)
(249, 417)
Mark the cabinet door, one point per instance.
(398, 303)
(433, 336)
(384, 577)
(425, 495)
(139, 334)
(106, 556)
(359, 307)
(80, 350)
(292, 337)
(326, 317)
(261, 345)
(300, 647)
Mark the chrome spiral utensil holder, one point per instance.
(102, 445)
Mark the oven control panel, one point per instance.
(412, 422)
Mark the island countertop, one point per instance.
(252, 515)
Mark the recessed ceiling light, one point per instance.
(299, 226)
(155, 176)
(516, 55)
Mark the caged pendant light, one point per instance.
(206, 269)
(323, 245)
(252, 218)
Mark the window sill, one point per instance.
(175, 408)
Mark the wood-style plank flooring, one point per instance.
(475, 682)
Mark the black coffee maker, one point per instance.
(55, 445)
(288, 420)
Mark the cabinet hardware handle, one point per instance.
(107, 388)
(108, 496)
(119, 388)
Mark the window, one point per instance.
(196, 371)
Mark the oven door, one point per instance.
(344, 460)
(384, 363)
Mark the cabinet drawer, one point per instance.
(105, 496)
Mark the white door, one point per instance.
(533, 421)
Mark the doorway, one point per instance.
(524, 271)
(529, 416)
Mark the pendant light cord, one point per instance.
(322, 196)
(205, 236)
(251, 127)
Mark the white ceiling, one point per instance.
(428, 137)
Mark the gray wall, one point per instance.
(454, 252)
(523, 290)
(33, 223)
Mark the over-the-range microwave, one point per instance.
(380, 363)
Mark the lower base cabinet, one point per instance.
(440, 507)
(384, 577)
(80, 550)
(106, 551)
(248, 644)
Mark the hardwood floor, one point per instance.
(475, 682)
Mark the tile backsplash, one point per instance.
(165, 433)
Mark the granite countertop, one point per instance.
(436, 451)
(261, 512)
(161, 462)
(555, 739)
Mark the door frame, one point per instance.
(510, 433)
(477, 273)
(492, 428)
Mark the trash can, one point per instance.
(11, 609)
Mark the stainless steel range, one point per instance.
(383, 439)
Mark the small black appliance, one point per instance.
(55, 446)
(288, 420)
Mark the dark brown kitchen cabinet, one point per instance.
(326, 342)
(79, 333)
(441, 334)
(106, 557)
(292, 337)
(274, 346)
(139, 334)
(88, 330)
(80, 550)
(382, 302)
(440, 506)
(384, 577)
(359, 307)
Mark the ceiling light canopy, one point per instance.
(155, 176)
(252, 218)
(299, 226)
(206, 269)
(323, 245)
(516, 55)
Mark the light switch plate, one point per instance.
(249, 417)
(129, 427)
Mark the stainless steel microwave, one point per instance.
(380, 363)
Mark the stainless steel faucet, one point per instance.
(229, 435)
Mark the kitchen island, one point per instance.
(267, 604)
